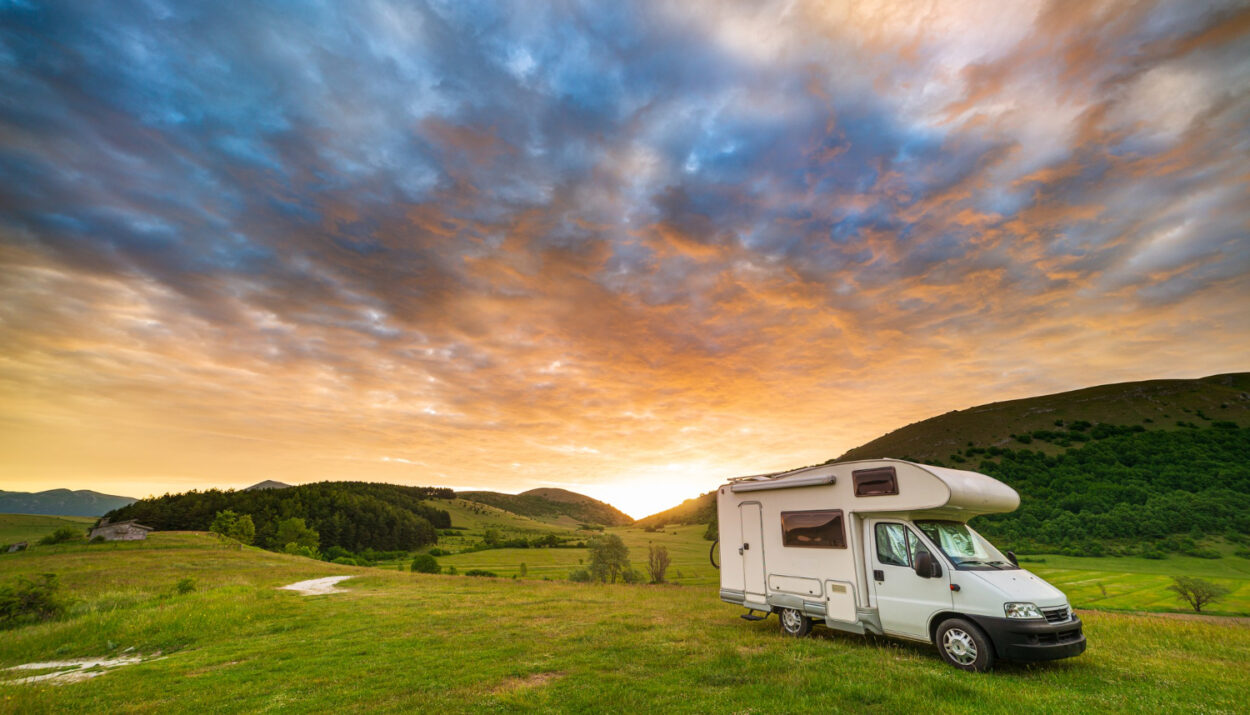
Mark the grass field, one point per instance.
(403, 642)
(32, 527)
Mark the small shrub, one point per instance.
(27, 601)
(453, 571)
(185, 585)
(424, 563)
(295, 549)
(438, 552)
(632, 576)
(344, 560)
(1204, 553)
(1243, 553)
(524, 569)
(480, 572)
(1154, 554)
(579, 576)
(61, 535)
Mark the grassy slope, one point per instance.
(553, 505)
(1220, 397)
(32, 527)
(477, 516)
(403, 642)
(696, 510)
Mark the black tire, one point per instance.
(965, 646)
(794, 623)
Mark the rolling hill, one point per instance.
(697, 510)
(1148, 468)
(1155, 404)
(61, 502)
(560, 505)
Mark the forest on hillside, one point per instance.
(1120, 489)
(352, 515)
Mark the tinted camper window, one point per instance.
(814, 529)
(875, 482)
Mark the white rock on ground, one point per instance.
(72, 671)
(317, 586)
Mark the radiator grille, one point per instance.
(1057, 615)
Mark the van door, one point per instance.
(752, 550)
(905, 601)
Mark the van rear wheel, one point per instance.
(964, 646)
(794, 623)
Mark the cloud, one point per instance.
(595, 241)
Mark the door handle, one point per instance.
(744, 547)
(878, 574)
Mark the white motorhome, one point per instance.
(882, 546)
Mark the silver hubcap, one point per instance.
(791, 620)
(960, 646)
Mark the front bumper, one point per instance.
(1029, 640)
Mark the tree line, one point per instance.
(355, 516)
(1147, 491)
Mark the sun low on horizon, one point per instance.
(628, 250)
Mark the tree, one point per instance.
(657, 563)
(491, 537)
(295, 531)
(424, 563)
(232, 526)
(609, 558)
(1197, 592)
(61, 535)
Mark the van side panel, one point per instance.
(731, 574)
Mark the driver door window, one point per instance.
(892, 545)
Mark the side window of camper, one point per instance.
(892, 544)
(815, 529)
(877, 482)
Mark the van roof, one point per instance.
(969, 493)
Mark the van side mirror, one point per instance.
(1011, 556)
(926, 566)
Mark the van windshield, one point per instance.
(966, 549)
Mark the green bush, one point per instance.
(27, 601)
(61, 535)
(1204, 553)
(452, 571)
(579, 576)
(480, 572)
(344, 560)
(185, 585)
(1154, 554)
(1243, 553)
(424, 563)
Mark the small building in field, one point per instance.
(120, 531)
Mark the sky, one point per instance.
(627, 249)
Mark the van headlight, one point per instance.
(1022, 610)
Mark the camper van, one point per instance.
(883, 546)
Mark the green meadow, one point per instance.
(33, 527)
(397, 641)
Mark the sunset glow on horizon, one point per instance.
(628, 250)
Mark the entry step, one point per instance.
(750, 616)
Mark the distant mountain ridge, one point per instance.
(61, 502)
(548, 503)
(267, 484)
(1156, 404)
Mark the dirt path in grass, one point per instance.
(317, 586)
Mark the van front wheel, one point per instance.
(794, 623)
(964, 646)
